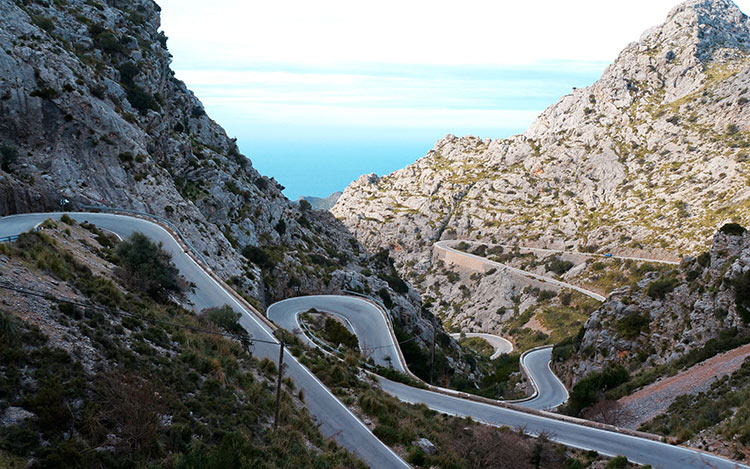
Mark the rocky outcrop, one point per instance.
(665, 317)
(91, 114)
(652, 157)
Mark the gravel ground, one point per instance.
(655, 398)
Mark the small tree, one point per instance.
(225, 318)
(8, 156)
(146, 267)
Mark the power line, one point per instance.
(390, 345)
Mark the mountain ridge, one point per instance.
(651, 159)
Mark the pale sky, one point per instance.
(372, 85)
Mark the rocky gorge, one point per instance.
(92, 115)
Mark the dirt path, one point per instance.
(655, 398)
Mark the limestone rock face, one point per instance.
(92, 114)
(650, 159)
(700, 304)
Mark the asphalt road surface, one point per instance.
(370, 327)
(501, 345)
(446, 245)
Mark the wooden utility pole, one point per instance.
(278, 382)
(432, 361)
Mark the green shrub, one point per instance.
(589, 389)
(44, 93)
(280, 227)
(128, 71)
(125, 157)
(618, 462)
(741, 284)
(387, 434)
(43, 22)
(546, 295)
(8, 328)
(19, 440)
(225, 318)
(396, 283)
(8, 156)
(633, 324)
(386, 297)
(704, 259)
(140, 99)
(733, 229)
(337, 334)
(559, 266)
(416, 456)
(658, 289)
(258, 256)
(146, 267)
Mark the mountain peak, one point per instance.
(706, 24)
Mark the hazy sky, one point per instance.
(320, 92)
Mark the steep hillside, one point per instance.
(651, 160)
(91, 113)
(98, 371)
(668, 315)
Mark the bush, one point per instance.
(337, 334)
(395, 282)
(128, 71)
(546, 295)
(146, 267)
(140, 99)
(733, 229)
(8, 328)
(225, 318)
(43, 22)
(8, 156)
(386, 297)
(589, 389)
(258, 256)
(280, 227)
(197, 112)
(67, 220)
(44, 93)
(632, 325)
(416, 456)
(387, 434)
(704, 259)
(618, 462)
(559, 266)
(741, 284)
(658, 289)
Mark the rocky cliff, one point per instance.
(667, 315)
(91, 113)
(651, 159)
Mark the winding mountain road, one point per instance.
(500, 345)
(377, 340)
(370, 326)
(446, 246)
(336, 420)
